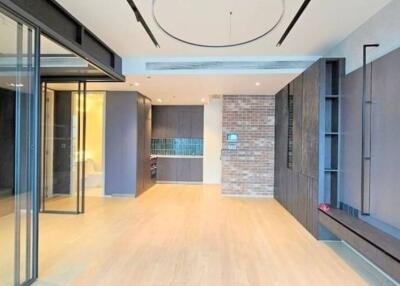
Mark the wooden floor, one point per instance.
(185, 235)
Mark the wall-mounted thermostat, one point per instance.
(232, 138)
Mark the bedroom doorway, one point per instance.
(94, 157)
(63, 148)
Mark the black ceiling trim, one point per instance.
(294, 21)
(140, 19)
(57, 23)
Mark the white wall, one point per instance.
(382, 28)
(212, 142)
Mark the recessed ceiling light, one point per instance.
(159, 100)
(258, 84)
(16, 84)
(203, 100)
(136, 84)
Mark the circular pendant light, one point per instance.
(184, 20)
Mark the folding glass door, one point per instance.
(18, 147)
(63, 147)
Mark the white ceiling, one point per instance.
(323, 25)
(191, 89)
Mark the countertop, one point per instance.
(177, 156)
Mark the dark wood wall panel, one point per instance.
(310, 123)
(297, 188)
(297, 90)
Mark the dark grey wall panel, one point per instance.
(350, 154)
(121, 143)
(128, 139)
(385, 179)
(7, 126)
(62, 142)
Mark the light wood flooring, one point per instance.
(181, 235)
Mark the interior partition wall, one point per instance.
(19, 63)
(63, 119)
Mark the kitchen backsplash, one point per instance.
(177, 146)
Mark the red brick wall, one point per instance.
(249, 169)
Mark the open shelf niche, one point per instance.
(331, 130)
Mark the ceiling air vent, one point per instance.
(226, 65)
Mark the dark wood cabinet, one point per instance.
(177, 122)
(196, 170)
(183, 171)
(197, 124)
(144, 181)
(140, 145)
(167, 169)
(171, 130)
(180, 169)
(184, 126)
(147, 144)
(297, 186)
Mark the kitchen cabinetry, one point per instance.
(177, 122)
(172, 169)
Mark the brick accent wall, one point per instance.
(248, 169)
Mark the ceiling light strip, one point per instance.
(217, 46)
(293, 22)
(140, 19)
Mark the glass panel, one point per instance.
(8, 52)
(17, 136)
(94, 163)
(63, 121)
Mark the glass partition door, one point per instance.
(63, 148)
(18, 147)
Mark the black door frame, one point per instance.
(81, 148)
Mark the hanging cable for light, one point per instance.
(207, 45)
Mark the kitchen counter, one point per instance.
(179, 156)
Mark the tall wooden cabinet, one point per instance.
(127, 144)
(307, 136)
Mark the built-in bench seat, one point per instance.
(379, 247)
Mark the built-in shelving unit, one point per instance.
(331, 131)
